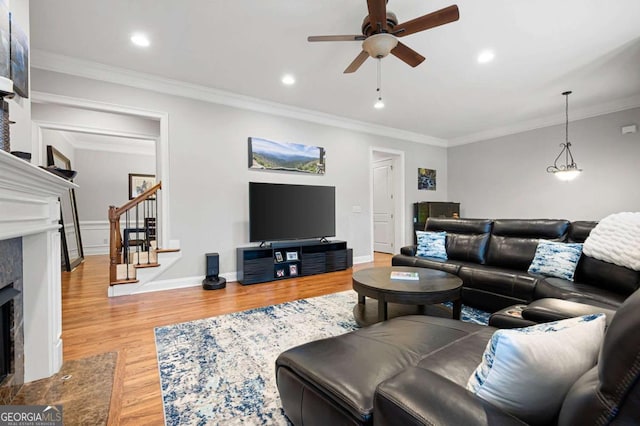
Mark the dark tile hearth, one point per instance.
(83, 387)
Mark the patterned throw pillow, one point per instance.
(432, 244)
(556, 259)
(528, 371)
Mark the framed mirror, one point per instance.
(72, 253)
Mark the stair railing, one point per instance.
(143, 206)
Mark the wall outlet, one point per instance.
(105, 241)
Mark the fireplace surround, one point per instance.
(30, 244)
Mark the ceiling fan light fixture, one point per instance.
(379, 45)
(379, 104)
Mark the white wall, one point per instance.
(506, 177)
(209, 174)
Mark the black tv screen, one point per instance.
(289, 212)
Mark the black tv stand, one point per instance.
(291, 259)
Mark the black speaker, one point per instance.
(212, 281)
(349, 258)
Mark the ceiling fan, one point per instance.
(380, 30)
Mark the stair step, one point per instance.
(143, 257)
(123, 282)
(167, 250)
(146, 265)
(121, 272)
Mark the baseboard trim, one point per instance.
(176, 283)
(362, 259)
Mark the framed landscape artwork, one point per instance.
(427, 179)
(140, 183)
(19, 60)
(292, 157)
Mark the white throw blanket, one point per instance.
(616, 239)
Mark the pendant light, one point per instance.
(569, 170)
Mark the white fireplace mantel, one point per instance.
(29, 208)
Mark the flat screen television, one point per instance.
(290, 212)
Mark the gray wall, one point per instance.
(209, 174)
(506, 177)
(103, 178)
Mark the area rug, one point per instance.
(221, 370)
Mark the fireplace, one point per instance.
(30, 271)
(11, 320)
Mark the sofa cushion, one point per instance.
(469, 248)
(556, 259)
(528, 371)
(577, 292)
(579, 231)
(450, 266)
(513, 242)
(374, 354)
(607, 276)
(514, 284)
(432, 244)
(467, 239)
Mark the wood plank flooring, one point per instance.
(93, 323)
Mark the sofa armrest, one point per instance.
(421, 397)
(547, 310)
(409, 250)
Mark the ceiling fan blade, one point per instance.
(337, 38)
(377, 14)
(407, 54)
(431, 20)
(359, 60)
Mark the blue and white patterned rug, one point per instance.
(221, 370)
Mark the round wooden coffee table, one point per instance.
(432, 287)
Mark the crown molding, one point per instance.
(136, 147)
(96, 71)
(551, 120)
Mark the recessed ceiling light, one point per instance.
(140, 39)
(288, 79)
(486, 56)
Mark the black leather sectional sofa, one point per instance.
(492, 258)
(413, 370)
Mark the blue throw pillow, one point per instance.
(432, 244)
(556, 259)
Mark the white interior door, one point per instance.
(383, 207)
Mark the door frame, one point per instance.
(162, 142)
(399, 198)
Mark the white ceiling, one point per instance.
(542, 47)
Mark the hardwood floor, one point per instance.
(93, 323)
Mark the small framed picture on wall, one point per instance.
(139, 183)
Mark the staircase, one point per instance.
(135, 258)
